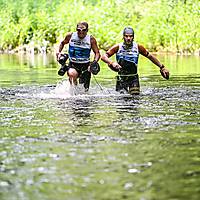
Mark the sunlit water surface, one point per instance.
(59, 143)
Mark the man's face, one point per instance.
(128, 39)
(82, 31)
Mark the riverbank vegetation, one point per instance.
(160, 25)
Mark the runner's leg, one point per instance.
(134, 85)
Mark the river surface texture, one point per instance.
(59, 143)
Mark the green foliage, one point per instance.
(170, 25)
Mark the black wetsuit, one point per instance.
(128, 78)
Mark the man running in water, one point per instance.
(127, 54)
(80, 45)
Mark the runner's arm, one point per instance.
(110, 53)
(164, 72)
(63, 43)
(95, 49)
(113, 65)
(151, 57)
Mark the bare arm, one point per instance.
(113, 65)
(95, 49)
(110, 53)
(164, 72)
(154, 60)
(63, 43)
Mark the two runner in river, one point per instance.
(126, 65)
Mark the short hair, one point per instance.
(82, 23)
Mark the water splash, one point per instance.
(62, 90)
(65, 89)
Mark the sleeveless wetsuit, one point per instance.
(79, 49)
(79, 56)
(128, 78)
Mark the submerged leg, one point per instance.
(121, 84)
(134, 86)
(85, 80)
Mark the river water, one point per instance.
(57, 143)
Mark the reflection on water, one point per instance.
(57, 144)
